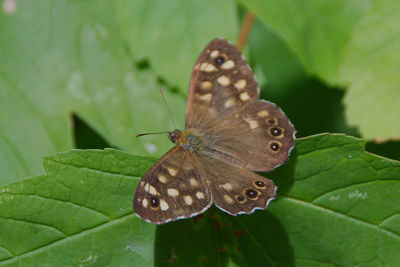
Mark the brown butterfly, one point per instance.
(228, 132)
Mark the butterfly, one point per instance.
(228, 134)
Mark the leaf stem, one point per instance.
(245, 29)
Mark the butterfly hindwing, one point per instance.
(173, 188)
(259, 138)
(236, 190)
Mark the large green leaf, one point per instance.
(371, 68)
(316, 31)
(299, 95)
(79, 213)
(337, 206)
(350, 43)
(343, 202)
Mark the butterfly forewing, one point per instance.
(221, 83)
(173, 188)
(236, 190)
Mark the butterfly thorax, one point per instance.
(187, 139)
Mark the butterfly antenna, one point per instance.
(139, 135)
(169, 110)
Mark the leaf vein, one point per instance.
(63, 201)
(342, 215)
(258, 245)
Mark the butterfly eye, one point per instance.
(219, 60)
(154, 202)
(172, 137)
(251, 193)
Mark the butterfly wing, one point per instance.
(223, 108)
(221, 83)
(236, 190)
(173, 188)
(259, 138)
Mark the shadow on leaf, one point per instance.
(217, 239)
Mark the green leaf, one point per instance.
(371, 69)
(281, 67)
(171, 34)
(80, 212)
(350, 43)
(333, 199)
(343, 202)
(59, 58)
(316, 31)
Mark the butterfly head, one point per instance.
(175, 136)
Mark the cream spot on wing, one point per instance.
(244, 96)
(163, 204)
(214, 54)
(263, 113)
(162, 178)
(200, 195)
(203, 66)
(229, 103)
(207, 67)
(197, 67)
(228, 199)
(146, 187)
(206, 97)
(193, 182)
(227, 186)
(223, 80)
(142, 183)
(172, 192)
(228, 65)
(252, 123)
(241, 84)
(144, 203)
(152, 190)
(188, 200)
(172, 171)
(206, 85)
(210, 68)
